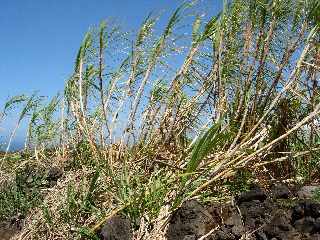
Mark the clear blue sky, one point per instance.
(39, 38)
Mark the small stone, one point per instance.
(315, 210)
(190, 219)
(53, 175)
(291, 235)
(238, 230)
(255, 193)
(279, 225)
(317, 225)
(234, 219)
(307, 192)
(298, 212)
(29, 179)
(116, 228)
(225, 235)
(311, 208)
(315, 236)
(281, 191)
(261, 236)
(305, 225)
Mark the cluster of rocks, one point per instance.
(279, 214)
(254, 215)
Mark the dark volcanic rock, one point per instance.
(238, 230)
(255, 193)
(233, 220)
(306, 208)
(315, 237)
(263, 217)
(53, 175)
(33, 176)
(260, 235)
(192, 219)
(256, 213)
(317, 225)
(280, 226)
(280, 191)
(223, 234)
(116, 228)
(298, 212)
(305, 225)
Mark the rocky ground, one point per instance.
(278, 213)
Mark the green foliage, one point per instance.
(208, 33)
(241, 181)
(82, 156)
(31, 103)
(89, 199)
(316, 195)
(145, 30)
(71, 207)
(158, 92)
(144, 196)
(13, 102)
(307, 168)
(47, 214)
(87, 233)
(43, 127)
(86, 44)
(156, 192)
(12, 202)
(21, 195)
(314, 12)
(80, 201)
(210, 140)
(161, 42)
(287, 203)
